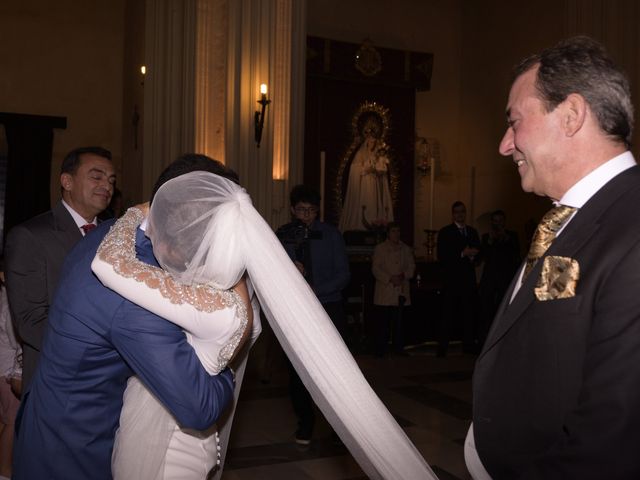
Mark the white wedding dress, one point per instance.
(149, 444)
(205, 229)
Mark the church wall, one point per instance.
(64, 58)
(475, 46)
(495, 36)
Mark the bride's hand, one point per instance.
(143, 207)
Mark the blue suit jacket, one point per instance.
(95, 341)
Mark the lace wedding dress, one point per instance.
(204, 228)
(149, 444)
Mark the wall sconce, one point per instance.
(143, 72)
(259, 116)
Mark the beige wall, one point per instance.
(67, 58)
(64, 58)
(495, 37)
(130, 175)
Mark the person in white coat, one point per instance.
(393, 266)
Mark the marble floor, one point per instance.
(430, 397)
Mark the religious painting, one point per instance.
(367, 181)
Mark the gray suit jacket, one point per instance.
(556, 389)
(34, 253)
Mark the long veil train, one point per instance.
(228, 234)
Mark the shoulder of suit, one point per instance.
(448, 228)
(42, 221)
(326, 227)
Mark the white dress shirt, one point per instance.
(585, 188)
(78, 218)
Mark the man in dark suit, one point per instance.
(95, 341)
(556, 389)
(501, 258)
(458, 249)
(36, 248)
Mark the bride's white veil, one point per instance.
(204, 227)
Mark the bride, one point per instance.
(217, 323)
(206, 233)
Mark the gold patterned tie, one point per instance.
(545, 234)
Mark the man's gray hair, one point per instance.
(582, 65)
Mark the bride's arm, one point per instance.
(198, 309)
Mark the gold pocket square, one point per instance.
(558, 278)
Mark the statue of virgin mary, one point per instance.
(367, 201)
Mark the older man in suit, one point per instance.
(556, 389)
(36, 248)
(95, 341)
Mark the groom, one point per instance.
(95, 341)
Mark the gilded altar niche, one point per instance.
(366, 187)
(360, 107)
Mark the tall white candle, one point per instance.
(431, 192)
(322, 169)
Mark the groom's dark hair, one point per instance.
(193, 162)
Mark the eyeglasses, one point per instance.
(307, 211)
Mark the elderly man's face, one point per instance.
(532, 138)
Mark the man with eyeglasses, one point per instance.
(318, 251)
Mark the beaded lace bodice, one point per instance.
(215, 320)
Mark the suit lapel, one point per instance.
(577, 233)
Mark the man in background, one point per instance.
(458, 249)
(318, 251)
(501, 258)
(35, 249)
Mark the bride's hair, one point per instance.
(304, 193)
(193, 162)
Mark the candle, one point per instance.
(322, 167)
(431, 192)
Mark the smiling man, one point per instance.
(36, 248)
(556, 388)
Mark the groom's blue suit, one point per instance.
(95, 341)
